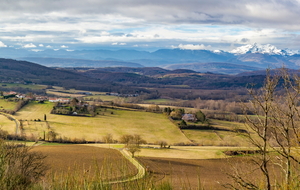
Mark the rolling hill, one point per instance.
(27, 72)
(214, 67)
(68, 62)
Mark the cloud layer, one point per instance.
(139, 23)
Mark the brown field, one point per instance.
(85, 160)
(189, 174)
(195, 173)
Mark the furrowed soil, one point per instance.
(198, 174)
(107, 164)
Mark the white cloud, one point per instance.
(2, 44)
(36, 50)
(192, 46)
(41, 45)
(158, 23)
(31, 45)
(120, 44)
(140, 45)
(48, 46)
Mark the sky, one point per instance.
(148, 24)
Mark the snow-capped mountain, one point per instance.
(263, 49)
(244, 58)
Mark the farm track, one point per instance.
(218, 135)
(12, 118)
(141, 170)
(155, 169)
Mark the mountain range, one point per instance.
(119, 79)
(242, 59)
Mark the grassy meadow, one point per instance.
(151, 126)
(8, 105)
(159, 101)
(184, 152)
(7, 125)
(63, 94)
(220, 137)
(104, 97)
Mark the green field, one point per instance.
(218, 137)
(104, 97)
(184, 152)
(7, 125)
(159, 101)
(4, 104)
(63, 93)
(151, 126)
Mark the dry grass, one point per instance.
(63, 94)
(215, 138)
(104, 97)
(152, 127)
(183, 152)
(226, 136)
(4, 104)
(7, 125)
(186, 152)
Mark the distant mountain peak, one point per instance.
(263, 49)
(217, 51)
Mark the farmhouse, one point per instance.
(9, 93)
(63, 100)
(189, 117)
(85, 93)
(41, 98)
(21, 96)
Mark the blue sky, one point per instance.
(148, 25)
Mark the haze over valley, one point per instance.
(140, 95)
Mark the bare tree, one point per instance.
(126, 139)
(108, 138)
(285, 127)
(133, 148)
(133, 143)
(51, 135)
(274, 127)
(20, 166)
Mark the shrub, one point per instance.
(19, 167)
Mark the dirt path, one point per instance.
(141, 170)
(13, 119)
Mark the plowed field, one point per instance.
(107, 163)
(196, 173)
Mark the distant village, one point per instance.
(31, 96)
